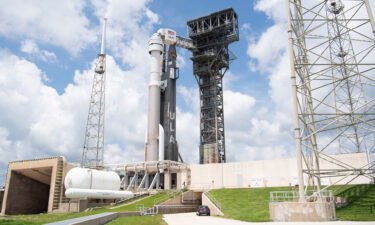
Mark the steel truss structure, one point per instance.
(332, 54)
(211, 36)
(93, 148)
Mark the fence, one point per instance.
(310, 196)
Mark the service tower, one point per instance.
(211, 36)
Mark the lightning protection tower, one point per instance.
(211, 36)
(93, 148)
(332, 54)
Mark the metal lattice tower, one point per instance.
(93, 148)
(211, 35)
(332, 54)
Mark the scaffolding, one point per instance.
(332, 54)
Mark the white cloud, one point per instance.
(274, 9)
(269, 134)
(39, 122)
(238, 108)
(267, 50)
(59, 23)
(31, 47)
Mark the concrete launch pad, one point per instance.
(36, 186)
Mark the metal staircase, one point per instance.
(58, 190)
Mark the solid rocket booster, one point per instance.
(152, 146)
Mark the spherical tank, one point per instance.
(84, 178)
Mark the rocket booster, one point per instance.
(155, 49)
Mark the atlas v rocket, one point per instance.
(160, 143)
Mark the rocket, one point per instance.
(154, 137)
(154, 141)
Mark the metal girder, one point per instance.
(154, 181)
(332, 54)
(185, 43)
(143, 181)
(133, 181)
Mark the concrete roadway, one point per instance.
(193, 219)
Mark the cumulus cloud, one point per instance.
(30, 47)
(59, 23)
(36, 121)
(266, 51)
(270, 132)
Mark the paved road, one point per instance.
(192, 219)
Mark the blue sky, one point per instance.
(48, 50)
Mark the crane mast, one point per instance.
(93, 148)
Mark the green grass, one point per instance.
(52, 217)
(361, 208)
(16, 222)
(251, 204)
(139, 220)
(247, 204)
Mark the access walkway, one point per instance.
(100, 218)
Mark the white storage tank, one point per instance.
(84, 178)
(97, 194)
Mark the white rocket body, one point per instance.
(152, 142)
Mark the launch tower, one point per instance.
(211, 36)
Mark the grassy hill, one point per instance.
(43, 218)
(251, 204)
(361, 204)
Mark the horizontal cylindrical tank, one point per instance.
(84, 178)
(97, 194)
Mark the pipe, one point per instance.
(155, 50)
(370, 15)
(161, 143)
(297, 128)
(97, 194)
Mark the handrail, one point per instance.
(214, 200)
(166, 197)
(310, 195)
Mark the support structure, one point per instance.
(211, 36)
(93, 148)
(332, 49)
(141, 176)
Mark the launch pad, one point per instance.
(41, 182)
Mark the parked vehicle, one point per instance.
(203, 210)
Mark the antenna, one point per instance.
(103, 36)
